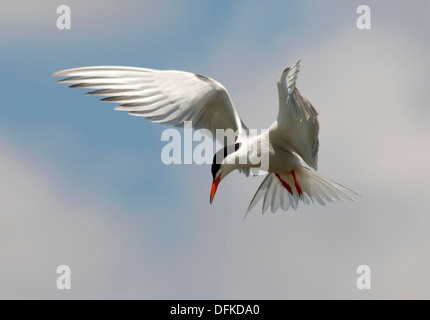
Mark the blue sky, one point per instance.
(84, 185)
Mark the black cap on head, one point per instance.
(221, 154)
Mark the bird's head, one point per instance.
(220, 168)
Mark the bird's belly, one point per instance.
(281, 161)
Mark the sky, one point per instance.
(84, 185)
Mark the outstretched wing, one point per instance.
(170, 97)
(297, 124)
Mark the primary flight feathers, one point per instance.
(170, 97)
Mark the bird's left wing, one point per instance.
(170, 97)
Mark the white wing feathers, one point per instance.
(297, 122)
(170, 97)
(291, 77)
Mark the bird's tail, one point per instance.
(302, 184)
(319, 188)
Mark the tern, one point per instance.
(174, 97)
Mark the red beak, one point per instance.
(215, 184)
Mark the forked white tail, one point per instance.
(302, 184)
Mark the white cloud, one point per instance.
(23, 16)
(43, 227)
(113, 252)
(98, 18)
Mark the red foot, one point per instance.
(284, 184)
(296, 184)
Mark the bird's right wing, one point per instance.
(170, 97)
(297, 124)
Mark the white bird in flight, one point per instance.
(173, 97)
